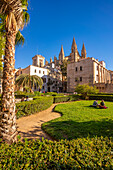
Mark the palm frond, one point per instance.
(19, 38)
(12, 8)
(26, 80)
(15, 10)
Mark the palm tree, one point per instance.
(26, 80)
(14, 13)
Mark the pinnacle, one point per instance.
(74, 46)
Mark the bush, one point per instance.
(85, 90)
(59, 99)
(20, 94)
(95, 153)
(37, 93)
(34, 106)
(75, 97)
(104, 93)
(100, 97)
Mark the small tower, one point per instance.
(61, 55)
(50, 60)
(46, 63)
(55, 60)
(74, 46)
(74, 52)
(38, 60)
(83, 51)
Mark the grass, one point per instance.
(79, 120)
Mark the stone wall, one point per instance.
(79, 73)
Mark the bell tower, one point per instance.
(74, 52)
(61, 55)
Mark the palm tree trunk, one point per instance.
(8, 129)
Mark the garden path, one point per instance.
(30, 126)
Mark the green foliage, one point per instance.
(95, 153)
(37, 93)
(63, 67)
(20, 94)
(26, 80)
(19, 38)
(30, 107)
(59, 99)
(85, 89)
(100, 97)
(78, 120)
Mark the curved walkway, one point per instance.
(30, 126)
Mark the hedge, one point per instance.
(95, 153)
(59, 99)
(34, 106)
(19, 96)
(100, 97)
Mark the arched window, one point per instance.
(35, 70)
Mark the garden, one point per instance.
(83, 137)
(79, 120)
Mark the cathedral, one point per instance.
(80, 70)
(73, 57)
(84, 70)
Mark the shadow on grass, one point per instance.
(72, 130)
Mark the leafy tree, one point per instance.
(63, 67)
(13, 18)
(26, 80)
(85, 89)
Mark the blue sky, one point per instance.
(55, 22)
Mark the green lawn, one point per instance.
(79, 120)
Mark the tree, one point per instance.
(85, 89)
(26, 80)
(63, 67)
(13, 14)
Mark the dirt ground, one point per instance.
(30, 126)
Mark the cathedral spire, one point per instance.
(62, 51)
(83, 51)
(74, 46)
(61, 55)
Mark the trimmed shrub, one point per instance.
(29, 107)
(100, 97)
(104, 93)
(19, 96)
(95, 153)
(75, 97)
(59, 99)
(37, 93)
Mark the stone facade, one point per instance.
(86, 71)
(50, 74)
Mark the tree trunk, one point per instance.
(8, 129)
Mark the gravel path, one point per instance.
(30, 126)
